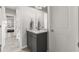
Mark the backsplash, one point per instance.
(35, 25)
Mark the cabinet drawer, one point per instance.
(34, 36)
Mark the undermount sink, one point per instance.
(37, 31)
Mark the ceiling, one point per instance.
(11, 7)
(36, 7)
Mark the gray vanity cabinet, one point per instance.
(37, 42)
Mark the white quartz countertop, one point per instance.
(37, 31)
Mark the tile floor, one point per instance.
(25, 50)
(11, 44)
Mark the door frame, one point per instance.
(48, 27)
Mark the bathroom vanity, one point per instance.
(37, 40)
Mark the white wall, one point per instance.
(1, 26)
(64, 22)
(1, 19)
(78, 26)
(45, 20)
(24, 16)
(4, 22)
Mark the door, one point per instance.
(63, 28)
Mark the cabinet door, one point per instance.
(29, 39)
(34, 44)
